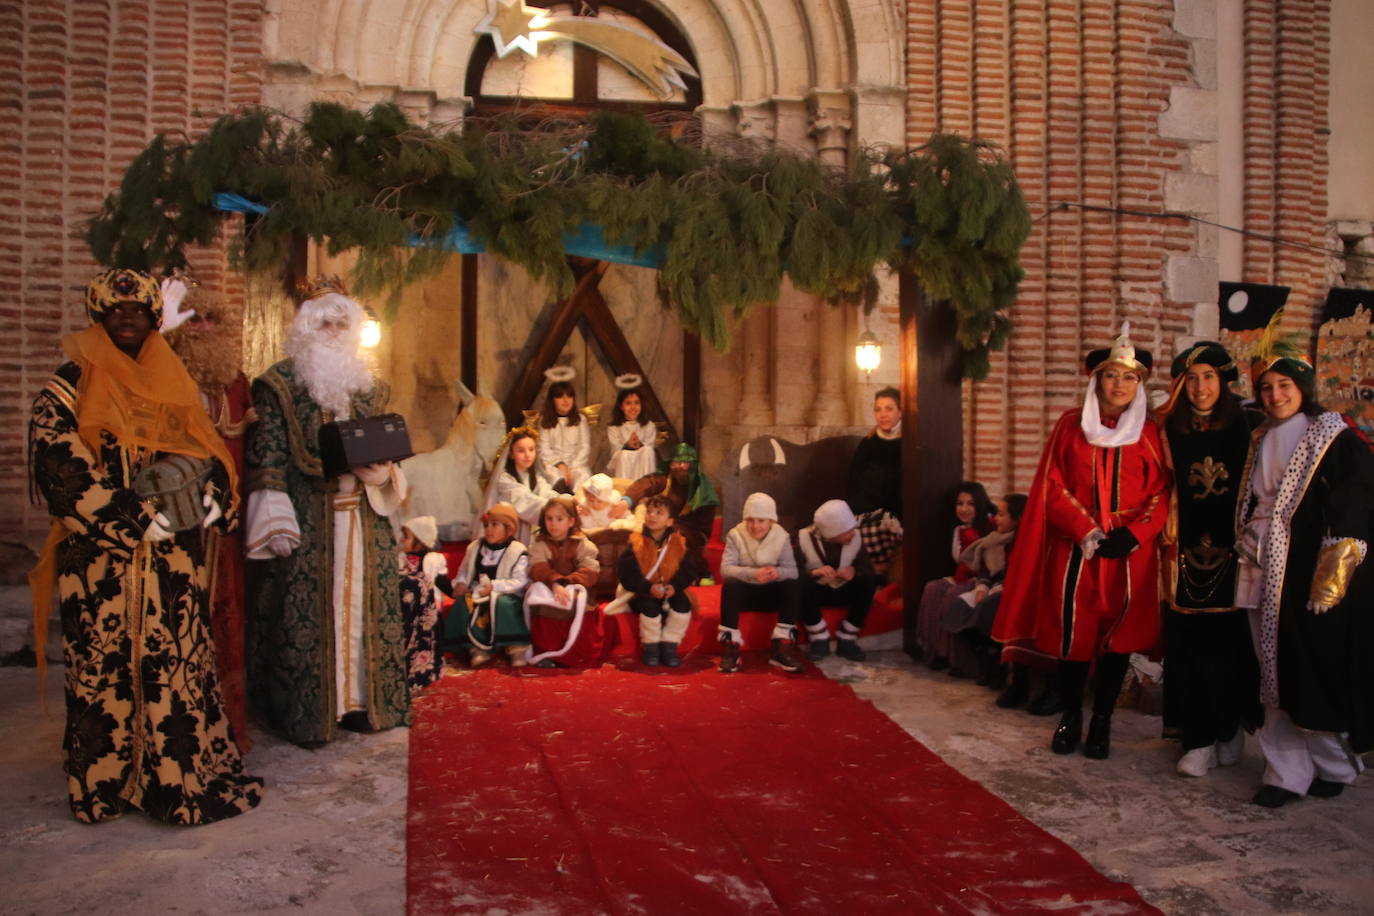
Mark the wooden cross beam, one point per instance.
(586, 302)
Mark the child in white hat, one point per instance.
(838, 574)
(759, 573)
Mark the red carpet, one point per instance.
(633, 790)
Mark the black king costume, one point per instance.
(1211, 681)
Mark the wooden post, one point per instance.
(467, 322)
(932, 442)
(691, 388)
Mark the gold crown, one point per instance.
(323, 284)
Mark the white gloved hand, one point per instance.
(280, 545)
(213, 512)
(374, 475)
(159, 529)
(434, 565)
(1090, 542)
(173, 316)
(1317, 607)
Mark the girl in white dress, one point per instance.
(515, 479)
(565, 446)
(632, 439)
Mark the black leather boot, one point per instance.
(1018, 691)
(1069, 732)
(667, 655)
(1099, 743)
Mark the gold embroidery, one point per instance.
(1207, 473)
(1206, 556)
(1335, 568)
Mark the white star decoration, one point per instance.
(512, 25)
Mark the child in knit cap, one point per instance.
(759, 571)
(488, 614)
(838, 573)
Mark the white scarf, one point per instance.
(1298, 472)
(1128, 426)
(767, 552)
(896, 432)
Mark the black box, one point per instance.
(346, 444)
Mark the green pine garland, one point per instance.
(729, 225)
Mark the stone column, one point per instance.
(830, 128)
(831, 341)
(754, 346)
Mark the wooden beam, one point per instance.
(560, 329)
(467, 321)
(691, 389)
(932, 440)
(607, 334)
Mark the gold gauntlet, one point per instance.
(1335, 567)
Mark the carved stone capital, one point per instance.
(831, 123)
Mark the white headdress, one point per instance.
(560, 374)
(627, 381)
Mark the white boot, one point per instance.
(1228, 752)
(1198, 761)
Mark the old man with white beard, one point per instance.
(327, 644)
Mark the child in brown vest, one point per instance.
(655, 567)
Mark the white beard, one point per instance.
(332, 371)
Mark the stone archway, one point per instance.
(823, 76)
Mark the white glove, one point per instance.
(374, 475)
(1248, 545)
(434, 564)
(280, 545)
(213, 512)
(173, 292)
(1090, 542)
(159, 529)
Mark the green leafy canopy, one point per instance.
(728, 224)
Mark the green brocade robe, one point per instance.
(291, 618)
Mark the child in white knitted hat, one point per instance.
(838, 573)
(759, 573)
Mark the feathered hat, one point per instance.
(1281, 353)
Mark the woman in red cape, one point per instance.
(1083, 582)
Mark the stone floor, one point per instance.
(330, 834)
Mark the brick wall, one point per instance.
(1287, 72)
(1074, 91)
(83, 86)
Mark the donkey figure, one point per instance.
(447, 482)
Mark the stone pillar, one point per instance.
(755, 345)
(829, 409)
(830, 128)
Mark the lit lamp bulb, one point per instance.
(867, 352)
(372, 331)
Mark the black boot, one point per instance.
(729, 656)
(1069, 732)
(784, 656)
(651, 654)
(1018, 691)
(667, 655)
(1099, 743)
(1048, 703)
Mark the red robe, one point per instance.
(231, 409)
(1057, 604)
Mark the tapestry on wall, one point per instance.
(1345, 356)
(1245, 312)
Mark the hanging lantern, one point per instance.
(868, 353)
(372, 331)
